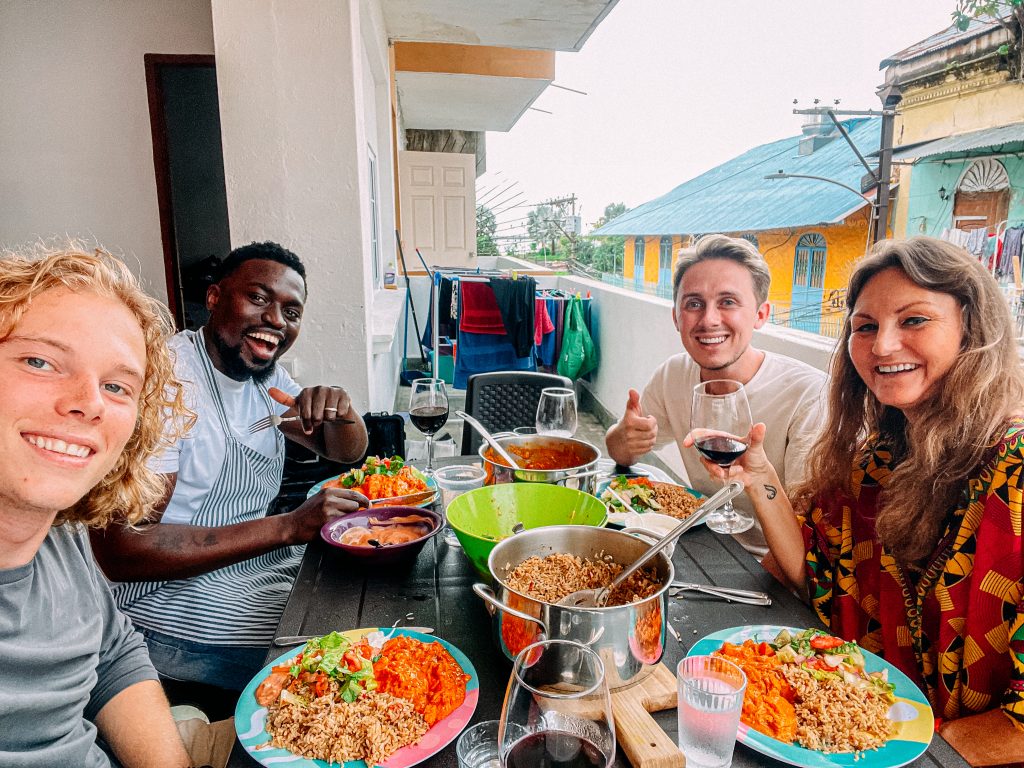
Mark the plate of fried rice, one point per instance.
(359, 698)
(647, 495)
(817, 701)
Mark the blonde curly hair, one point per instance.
(130, 490)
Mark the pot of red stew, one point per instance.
(543, 459)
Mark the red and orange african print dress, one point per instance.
(958, 630)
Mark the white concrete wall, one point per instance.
(76, 154)
(304, 95)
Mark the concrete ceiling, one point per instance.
(435, 101)
(553, 25)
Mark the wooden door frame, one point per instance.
(162, 167)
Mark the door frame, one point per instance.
(154, 62)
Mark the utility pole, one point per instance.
(883, 174)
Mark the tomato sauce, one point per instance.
(423, 673)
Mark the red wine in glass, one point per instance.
(720, 423)
(555, 749)
(722, 450)
(429, 419)
(428, 411)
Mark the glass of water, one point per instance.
(556, 412)
(710, 701)
(477, 747)
(454, 481)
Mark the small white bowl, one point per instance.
(654, 522)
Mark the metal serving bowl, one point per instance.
(582, 475)
(629, 638)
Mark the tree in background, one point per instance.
(486, 225)
(1008, 14)
(541, 224)
(607, 251)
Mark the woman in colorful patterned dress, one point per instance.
(917, 551)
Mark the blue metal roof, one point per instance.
(735, 196)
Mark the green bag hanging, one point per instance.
(579, 354)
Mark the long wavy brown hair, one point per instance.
(129, 491)
(936, 454)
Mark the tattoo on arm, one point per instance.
(772, 491)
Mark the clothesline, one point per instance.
(463, 316)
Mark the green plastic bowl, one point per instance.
(484, 516)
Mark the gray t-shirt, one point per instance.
(65, 651)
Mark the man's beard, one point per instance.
(235, 366)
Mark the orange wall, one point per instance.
(474, 60)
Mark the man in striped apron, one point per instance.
(207, 580)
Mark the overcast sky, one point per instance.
(675, 87)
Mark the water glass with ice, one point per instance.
(477, 747)
(454, 481)
(710, 700)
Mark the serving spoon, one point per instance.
(598, 597)
(482, 430)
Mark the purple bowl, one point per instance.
(393, 553)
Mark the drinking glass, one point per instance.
(454, 481)
(556, 412)
(720, 423)
(710, 701)
(428, 410)
(477, 747)
(557, 711)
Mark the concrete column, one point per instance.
(290, 89)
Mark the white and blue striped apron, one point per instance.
(239, 604)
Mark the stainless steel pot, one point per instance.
(629, 638)
(582, 477)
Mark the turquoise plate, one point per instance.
(615, 519)
(915, 723)
(431, 485)
(250, 717)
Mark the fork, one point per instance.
(274, 420)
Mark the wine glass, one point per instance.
(720, 423)
(428, 410)
(556, 412)
(557, 710)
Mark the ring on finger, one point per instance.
(332, 410)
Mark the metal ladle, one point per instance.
(505, 455)
(598, 598)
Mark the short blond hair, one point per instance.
(130, 489)
(728, 248)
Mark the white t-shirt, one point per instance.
(197, 458)
(785, 394)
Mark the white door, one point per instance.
(438, 198)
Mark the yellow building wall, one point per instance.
(845, 244)
(984, 100)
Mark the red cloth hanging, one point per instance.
(480, 312)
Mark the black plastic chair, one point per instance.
(504, 400)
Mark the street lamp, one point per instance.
(781, 175)
(861, 195)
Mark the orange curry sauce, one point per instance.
(423, 673)
(768, 701)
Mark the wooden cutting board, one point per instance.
(641, 738)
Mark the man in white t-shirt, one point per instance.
(206, 580)
(720, 296)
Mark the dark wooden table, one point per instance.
(331, 593)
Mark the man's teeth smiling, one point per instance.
(59, 446)
(897, 368)
(712, 340)
(272, 340)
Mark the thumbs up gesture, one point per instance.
(639, 432)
